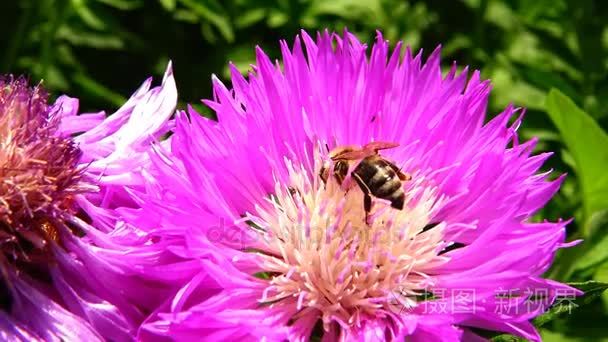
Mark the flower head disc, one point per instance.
(39, 175)
(64, 272)
(323, 257)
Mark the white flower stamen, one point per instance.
(324, 255)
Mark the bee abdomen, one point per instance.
(382, 182)
(397, 199)
(366, 171)
(390, 187)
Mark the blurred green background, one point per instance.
(101, 50)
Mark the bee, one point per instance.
(375, 175)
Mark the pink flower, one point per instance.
(259, 245)
(65, 272)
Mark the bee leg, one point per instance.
(367, 199)
(324, 175)
(402, 175)
(367, 206)
(293, 192)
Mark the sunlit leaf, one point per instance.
(277, 19)
(250, 17)
(185, 15)
(587, 143)
(560, 47)
(552, 336)
(124, 5)
(169, 5)
(508, 89)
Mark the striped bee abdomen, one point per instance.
(381, 180)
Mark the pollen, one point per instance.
(326, 259)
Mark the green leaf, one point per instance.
(96, 40)
(496, 336)
(596, 251)
(185, 15)
(124, 5)
(88, 16)
(592, 289)
(212, 12)
(601, 274)
(506, 338)
(545, 79)
(169, 5)
(249, 18)
(94, 87)
(277, 19)
(552, 336)
(587, 143)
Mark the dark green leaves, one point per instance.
(592, 290)
(562, 307)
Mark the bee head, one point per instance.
(338, 152)
(324, 172)
(339, 169)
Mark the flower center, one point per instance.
(322, 255)
(39, 176)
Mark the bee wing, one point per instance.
(402, 175)
(354, 155)
(380, 145)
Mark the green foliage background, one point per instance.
(100, 51)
